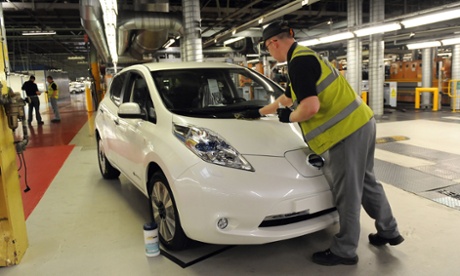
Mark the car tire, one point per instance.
(107, 170)
(165, 213)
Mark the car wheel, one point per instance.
(165, 213)
(107, 170)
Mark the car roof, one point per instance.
(155, 66)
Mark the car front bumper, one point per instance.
(207, 193)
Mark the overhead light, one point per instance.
(450, 41)
(336, 37)
(76, 58)
(38, 33)
(423, 45)
(169, 43)
(234, 39)
(310, 42)
(378, 29)
(431, 18)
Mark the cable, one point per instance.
(21, 162)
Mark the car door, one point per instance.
(133, 132)
(107, 113)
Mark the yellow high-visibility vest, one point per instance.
(341, 111)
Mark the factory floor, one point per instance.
(81, 224)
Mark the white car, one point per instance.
(172, 130)
(76, 87)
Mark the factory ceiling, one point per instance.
(217, 19)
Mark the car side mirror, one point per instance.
(130, 111)
(152, 115)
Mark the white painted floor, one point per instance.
(85, 225)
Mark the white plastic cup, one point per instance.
(152, 245)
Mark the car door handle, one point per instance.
(116, 122)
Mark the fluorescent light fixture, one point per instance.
(310, 42)
(378, 29)
(423, 45)
(431, 18)
(38, 33)
(336, 37)
(169, 43)
(76, 58)
(450, 41)
(234, 39)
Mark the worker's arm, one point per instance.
(271, 108)
(307, 108)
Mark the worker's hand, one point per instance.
(248, 114)
(284, 114)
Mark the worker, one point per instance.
(32, 93)
(53, 95)
(336, 124)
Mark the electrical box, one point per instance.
(390, 93)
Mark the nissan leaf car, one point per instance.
(175, 130)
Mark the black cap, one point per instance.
(275, 28)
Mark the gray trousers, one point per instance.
(54, 105)
(349, 170)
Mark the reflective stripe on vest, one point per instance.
(337, 118)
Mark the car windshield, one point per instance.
(214, 93)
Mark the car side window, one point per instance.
(137, 92)
(116, 88)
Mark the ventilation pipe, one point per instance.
(149, 29)
(90, 15)
(192, 49)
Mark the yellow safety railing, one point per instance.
(453, 93)
(433, 90)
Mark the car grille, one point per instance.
(285, 219)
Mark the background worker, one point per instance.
(338, 125)
(31, 89)
(53, 95)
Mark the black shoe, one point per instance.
(56, 120)
(376, 240)
(41, 123)
(329, 258)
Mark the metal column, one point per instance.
(354, 47)
(455, 102)
(13, 234)
(427, 76)
(376, 66)
(192, 49)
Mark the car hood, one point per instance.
(265, 136)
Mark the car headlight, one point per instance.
(210, 147)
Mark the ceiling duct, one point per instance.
(91, 20)
(141, 33)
